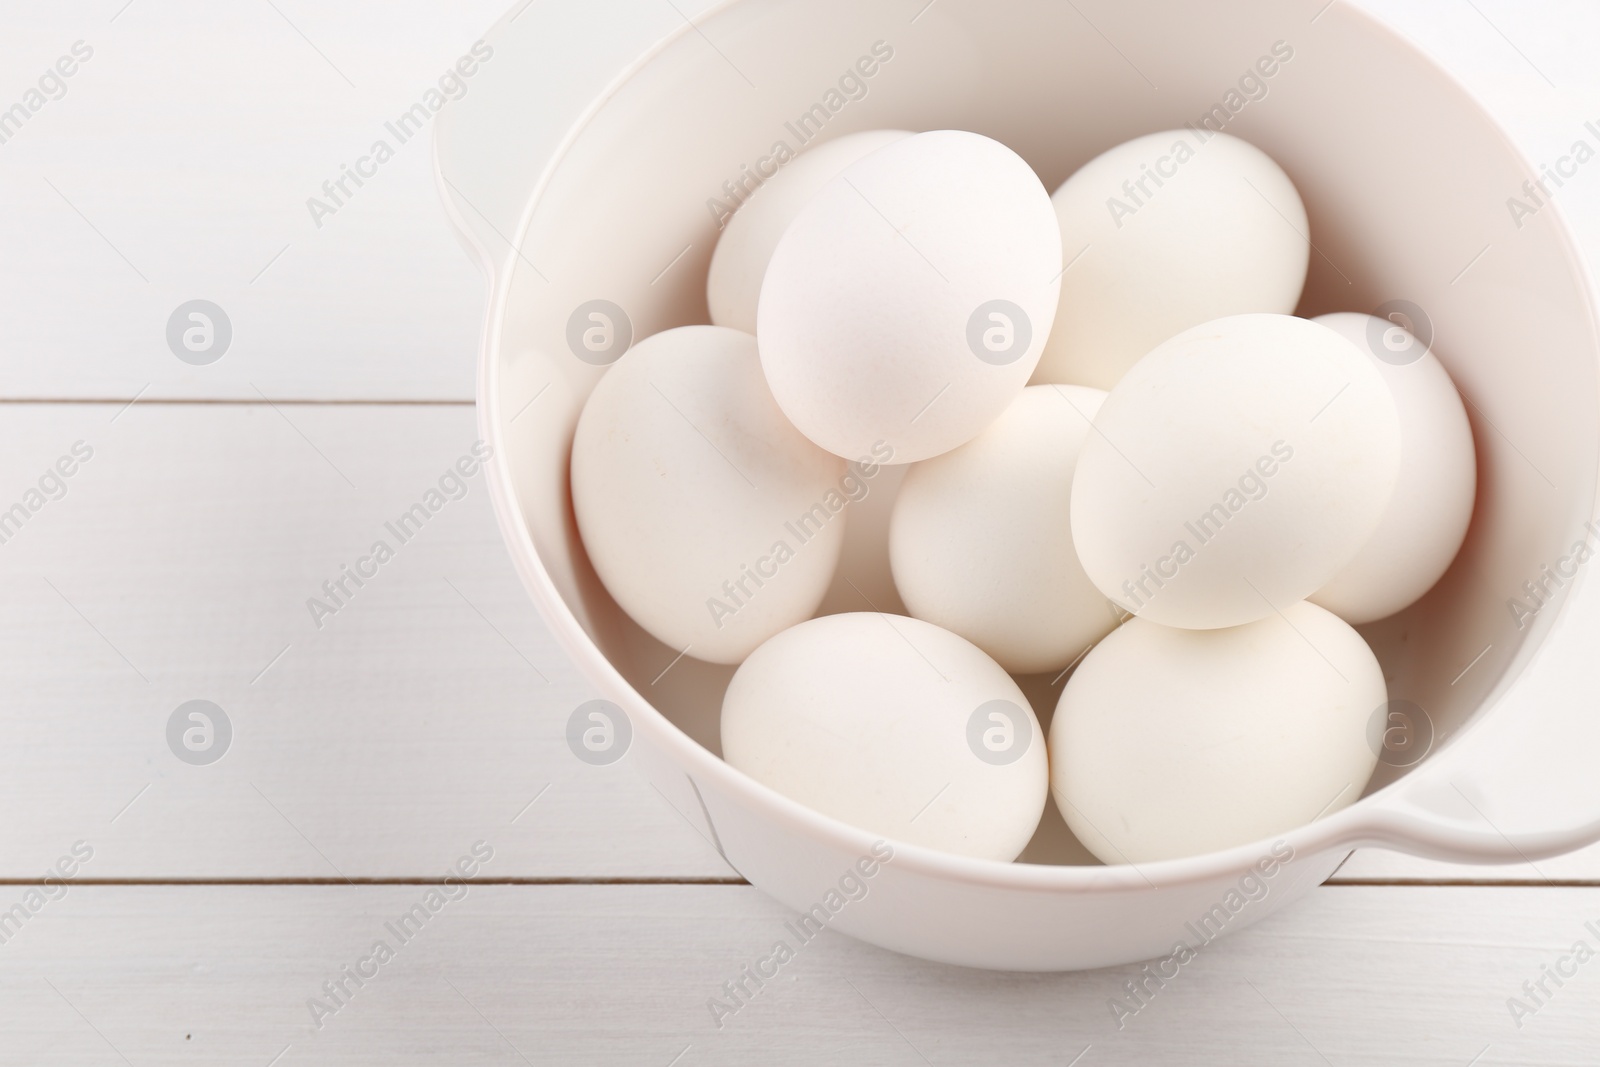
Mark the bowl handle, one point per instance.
(551, 60)
(1522, 784)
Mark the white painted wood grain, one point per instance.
(179, 164)
(432, 708)
(622, 974)
(416, 721)
(178, 565)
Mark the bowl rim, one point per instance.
(1376, 819)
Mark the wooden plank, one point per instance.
(623, 974)
(180, 164)
(178, 566)
(221, 122)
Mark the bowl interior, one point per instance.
(1405, 179)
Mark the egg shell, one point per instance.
(1234, 470)
(909, 300)
(879, 721)
(1170, 742)
(981, 537)
(739, 262)
(1431, 507)
(1165, 232)
(710, 520)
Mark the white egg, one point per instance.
(1234, 470)
(740, 260)
(1170, 742)
(1427, 517)
(981, 537)
(709, 519)
(909, 300)
(895, 726)
(1165, 232)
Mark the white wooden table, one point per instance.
(209, 904)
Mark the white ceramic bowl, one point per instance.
(580, 168)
